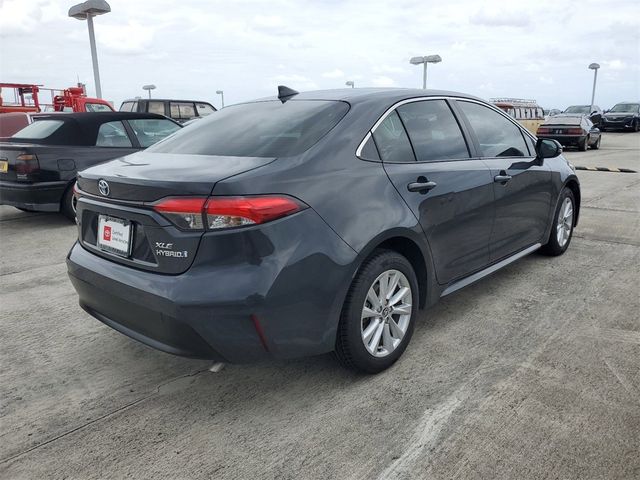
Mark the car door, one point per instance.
(426, 156)
(521, 183)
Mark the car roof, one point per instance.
(81, 129)
(164, 100)
(358, 95)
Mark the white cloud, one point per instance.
(336, 73)
(192, 48)
(382, 81)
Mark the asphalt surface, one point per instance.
(531, 373)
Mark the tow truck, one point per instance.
(31, 98)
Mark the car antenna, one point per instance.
(285, 93)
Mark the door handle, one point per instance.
(503, 178)
(421, 186)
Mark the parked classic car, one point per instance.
(38, 164)
(180, 110)
(571, 130)
(623, 116)
(314, 222)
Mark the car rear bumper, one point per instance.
(41, 196)
(284, 302)
(567, 140)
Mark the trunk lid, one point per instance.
(147, 177)
(135, 181)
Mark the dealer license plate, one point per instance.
(114, 235)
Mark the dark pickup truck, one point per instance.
(39, 164)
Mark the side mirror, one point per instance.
(547, 148)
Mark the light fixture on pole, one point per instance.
(221, 93)
(594, 67)
(148, 88)
(349, 83)
(424, 60)
(86, 11)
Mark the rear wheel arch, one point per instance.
(412, 251)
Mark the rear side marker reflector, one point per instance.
(216, 213)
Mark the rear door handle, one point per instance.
(502, 178)
(422, 187)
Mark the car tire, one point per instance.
(371, 337)
(563, 223)
(636, 126)
(582, 146)
(68, 204)
(596, 146)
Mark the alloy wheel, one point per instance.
(565, 222)
(386, 313)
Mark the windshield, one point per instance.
(626, 108)
(578, 109)
(97, 107)
(260, 129)
(38, 130)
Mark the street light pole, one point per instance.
(86, 11)
(424, 60)
(94, 56)
(594, 67)
(221, 93)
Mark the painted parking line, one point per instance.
(605, 169)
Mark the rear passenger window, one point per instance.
(392, 141)
(182, 110)
(112, 134)
(156, 107)
(433, 130)
(497, 135)
(369, 150)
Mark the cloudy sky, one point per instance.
(191, 48)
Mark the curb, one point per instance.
(605, 169)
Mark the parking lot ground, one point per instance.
(531, 373)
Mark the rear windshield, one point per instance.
(39, 129)
(578, 109)
(260, 129)
(563, 121)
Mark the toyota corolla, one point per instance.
(314, 222)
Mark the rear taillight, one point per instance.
(216, 213)
(543, 130)
(574, 131)
(26, 165)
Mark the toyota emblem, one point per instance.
(103, 186)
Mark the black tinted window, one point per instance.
(433, 131)
(497, 135)
(260, 129)
(369, 150)
(392, 141)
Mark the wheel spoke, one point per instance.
(402, 309)
(383, 282)
(375, 340)
(399, 296)
(395, 329)
(367, 313)
(372, 296)
(387, 339)
(393, 284)
(370, 330)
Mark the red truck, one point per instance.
(27, 98)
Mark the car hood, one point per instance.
(619, 114)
